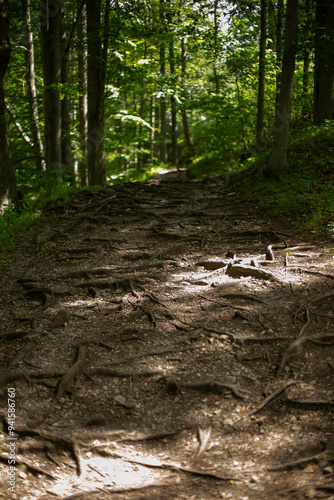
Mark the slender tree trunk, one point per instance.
(306, 68)
(163, 104)
(66, 149)
(262, 77)
(186, 131)
(82, 80)
(32, 95)
(324, 62)
(8, 193)
(18, 126)
(152, 145)
(50, 18)
(215, 53)
(140, 133)
(157, 146)
(175, 155)
(278, 157)
(306, 80)
(279, 46)
(97, 60)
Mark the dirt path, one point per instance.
(164, 340)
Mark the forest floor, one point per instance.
(167, 340)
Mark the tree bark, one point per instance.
(186, 131)
(262, 77)
(50, 19)
(278, 157)
(8, 193)
(324, 62)
(32, 95)
(163, 106)
(175, 155)
(279, 46)
(83, 110)
(66, 149)
(96, 85)
(152, 138)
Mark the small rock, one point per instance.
(254, 479)
(62, 401)
(120, 399)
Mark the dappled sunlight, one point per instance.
(119, 473)
(162, 352)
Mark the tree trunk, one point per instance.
(66, 149)
(306, 82)
(215, 53)
(278, 157)
(152, 138)
(82, 80)
(324, 62)
(306, 68)
(262, 77)
(279, 46)
(175, 156)
(50, 18)
(8, 194)
(96, 85)
(32, 95)
(163, 105)
(186, 131)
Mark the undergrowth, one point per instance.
(305, 193)
(41, 189)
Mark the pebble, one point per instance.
(254, 479)
(120, 399)
(228, 421)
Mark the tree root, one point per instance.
(72, 373)
(272, 397)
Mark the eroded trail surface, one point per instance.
(165, 340)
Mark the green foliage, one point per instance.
(306, 192)
(217, 92)
(36, 191)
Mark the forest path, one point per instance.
(166, 340)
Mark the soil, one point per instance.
(167, 340)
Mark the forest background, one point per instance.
(94, 93)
